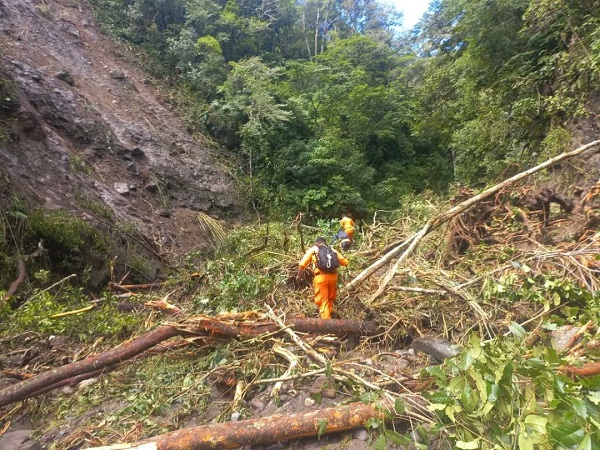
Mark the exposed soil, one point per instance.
(85, 126)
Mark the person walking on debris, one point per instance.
(347, 226)
(346, 241)
(346, 233)
(325, 262)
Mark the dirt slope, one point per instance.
(81, 126)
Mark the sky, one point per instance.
(412, 9)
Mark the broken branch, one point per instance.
(439, 220)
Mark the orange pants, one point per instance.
(325, 285)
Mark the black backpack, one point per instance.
(327, 259)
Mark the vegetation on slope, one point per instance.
(330, 108)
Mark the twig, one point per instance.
(70, 313)
(60, 282)
(21, 273)
(303, 345)
(293, 360)
(418, 290)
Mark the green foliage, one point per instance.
(495, 395)
(499, 394)
(138, 267)
(102, 321)
(237, 281)
(522, 285)
(78, 165)
(9, 104)
(99, 209)
(556, 142)
(71, 242)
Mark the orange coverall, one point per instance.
(324, 284)
(347, 224)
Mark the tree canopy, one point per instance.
(331, 108)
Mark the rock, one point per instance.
(437, 348)
(151, 187)
(561, 336)
(318, 384)
(18, 440)
(309, 401)
(329, 393)
(256, 404)
(121, 188)
(235, 416)
(117, 74)
(85, 383)
(361, 434)
(65, 75)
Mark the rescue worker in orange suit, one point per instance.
(347, 226)
(324, 284)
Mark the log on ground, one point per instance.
(265, 430)
(199, 326)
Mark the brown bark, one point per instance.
(201, 325)
(588, 370)
(265, 430)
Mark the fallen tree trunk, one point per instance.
(265, 430)
(588, 370)
(198, 326)
(91, 365)
(247, 329)
(444, 217)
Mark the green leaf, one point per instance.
(586, 444)
(321, 427)
(536, 423)
(373, 423)
(594, 397)
(517, 330)
(568, 434)
(399, 405)
(525, 441)
(394, 437)
(380, 443)
(580, 408)
(468, 445)
(436, 406)
(480, 383)
(451, 410)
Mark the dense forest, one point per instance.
(329, 107)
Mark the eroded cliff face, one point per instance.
(80, 126)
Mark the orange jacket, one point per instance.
(310, 257)
(346, 223)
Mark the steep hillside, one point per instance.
(83, 130)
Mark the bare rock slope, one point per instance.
(81, 126)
